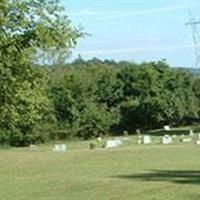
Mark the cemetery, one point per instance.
(105, 111)
(115, 168)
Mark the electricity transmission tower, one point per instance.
(194, 24)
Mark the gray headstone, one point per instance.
(138, 131)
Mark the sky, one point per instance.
(135, 30)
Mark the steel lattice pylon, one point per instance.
(194, 24)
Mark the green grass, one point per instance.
(131, 172)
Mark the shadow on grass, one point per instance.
(174, 176)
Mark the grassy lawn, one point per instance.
(131, 172)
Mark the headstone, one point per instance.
(166, 139)
(113, 143)
(118, 141)
(173, 136)
(140, 136)
(60, 148)
(191, 133)
(138, 131)
(166, 128)
(198, 142)
(146, 139)
(186, 139)
(139, 141)
(32, 147)
(99, 139)
(182, 135)
(125, 132)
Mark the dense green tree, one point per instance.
(28, 29)
(86, 99)
(155, 94)
(97, 96)
(83, 98)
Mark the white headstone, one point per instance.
(139, 136)
(113, 143)
(173, 136)
(32, 147)
(198, 142)
(99, 139)
(166, 128)
(138, 131)
(191, 133)
(166, 139)
(146, 139)
(139, 141)
(186, 139)
(118, 141)
(182, 135)
(60, 148)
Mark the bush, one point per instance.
(18, 138)
(4, 137)
(196, 129)
(93, 145)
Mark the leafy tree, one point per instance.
(86, 99)
(94, 97)
(155, 94)
(28, 29)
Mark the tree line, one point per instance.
(95, 97)
(87, 99)
(54, 100)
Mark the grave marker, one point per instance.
(146, 139)
(99, 139)
(186, 139)
(166, 128)
(166, 139)
(198, 142)
(138, 131)
(139, 141)
(60, 148)
(191, 133)
(113, 143)
(32, 147)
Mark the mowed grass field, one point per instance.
(131, 172)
